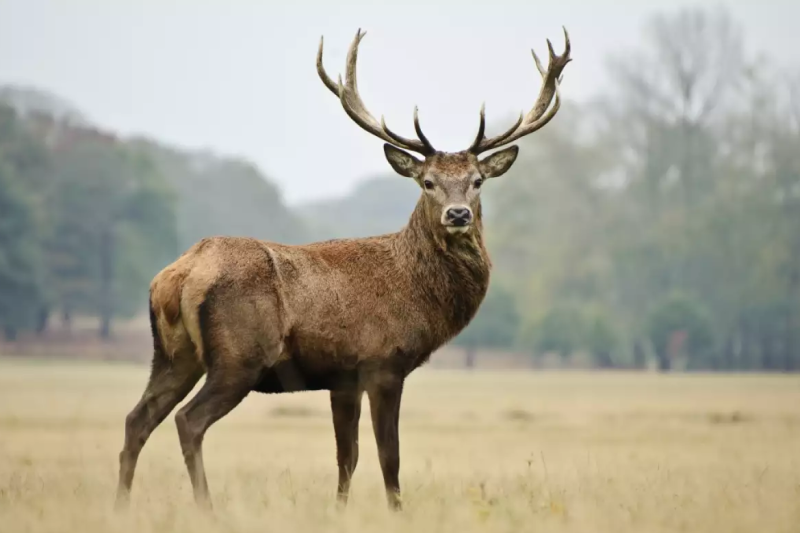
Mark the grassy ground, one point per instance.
(496, 452)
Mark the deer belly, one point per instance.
(290, 375)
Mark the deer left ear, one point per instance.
(498, 163)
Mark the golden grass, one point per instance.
(494, 452)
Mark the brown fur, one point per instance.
(349, 316)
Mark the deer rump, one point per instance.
(313, 326)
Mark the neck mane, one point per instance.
(449, 271)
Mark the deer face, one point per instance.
(451, 182)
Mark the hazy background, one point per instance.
(654, 222)
(238, 77)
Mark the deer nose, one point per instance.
(459, 215)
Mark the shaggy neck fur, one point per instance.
(450, 271)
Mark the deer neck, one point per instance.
(451, 271)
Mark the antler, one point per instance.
(355, 109)
(539, 115)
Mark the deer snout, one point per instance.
(457, 215)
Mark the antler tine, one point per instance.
(351, 75)
(347, 93)
(476, 144)
(539, 115)
(539, 66)
(481, 129)
(421, 135)
(329, 83)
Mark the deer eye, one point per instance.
(478, 183)
(428, 185)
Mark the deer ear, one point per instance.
(402, 162)
(498, 163)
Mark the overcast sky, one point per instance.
(238, 76)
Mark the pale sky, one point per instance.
(238, 77)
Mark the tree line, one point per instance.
(660, 221)
(657, 224)
(87, 218)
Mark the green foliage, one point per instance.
(652, 191)
(223, 196)
(561, 330)
(91, 220)
(677, 325)
(23, 165)
(568, 328)
(495, 325)
(682, 178)
(114, 225)
(601, 340)
(88, 219)
(21, 150)
(21, 292)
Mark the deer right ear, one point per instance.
(402, 162)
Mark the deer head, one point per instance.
(451, 181)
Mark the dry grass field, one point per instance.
(489, 451)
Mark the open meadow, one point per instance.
(482, 451)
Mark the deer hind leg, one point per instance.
(239, 343)
(346, 410)
(225, 388)
(170, 382)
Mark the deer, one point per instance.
(348, 316)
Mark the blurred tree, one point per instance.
(378, 205)
(21, 277)
(23, 225)
(111, 212)
(548, 217)
(601, 339)
(114, 227)
(223, 196)
(677, 326)
(20, 149)
(681, 178)
(495, 325)
(562, 330)
(666, 109)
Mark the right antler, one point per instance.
(536, 117)
(355, 109)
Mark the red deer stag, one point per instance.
(349, 316)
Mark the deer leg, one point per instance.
(384, 402)
(346, 409)
(223, 390)
(170, 382)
